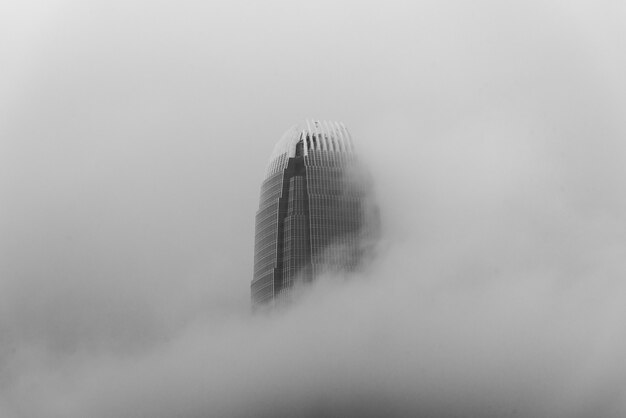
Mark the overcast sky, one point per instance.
(133, 140)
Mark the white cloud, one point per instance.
(134, 138)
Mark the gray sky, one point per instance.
(133, 140)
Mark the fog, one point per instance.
(133, 141)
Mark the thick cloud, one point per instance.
(133, 138)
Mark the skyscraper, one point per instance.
(314, 212)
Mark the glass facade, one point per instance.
(315, 214)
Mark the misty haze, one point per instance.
(134, 139)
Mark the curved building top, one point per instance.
(314, 135)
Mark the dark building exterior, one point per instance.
(315, 213)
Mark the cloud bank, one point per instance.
(133, 142)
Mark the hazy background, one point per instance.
(133, 141)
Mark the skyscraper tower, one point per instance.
(315, 213)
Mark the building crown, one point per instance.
(309, 137)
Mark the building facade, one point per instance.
(315, 212)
